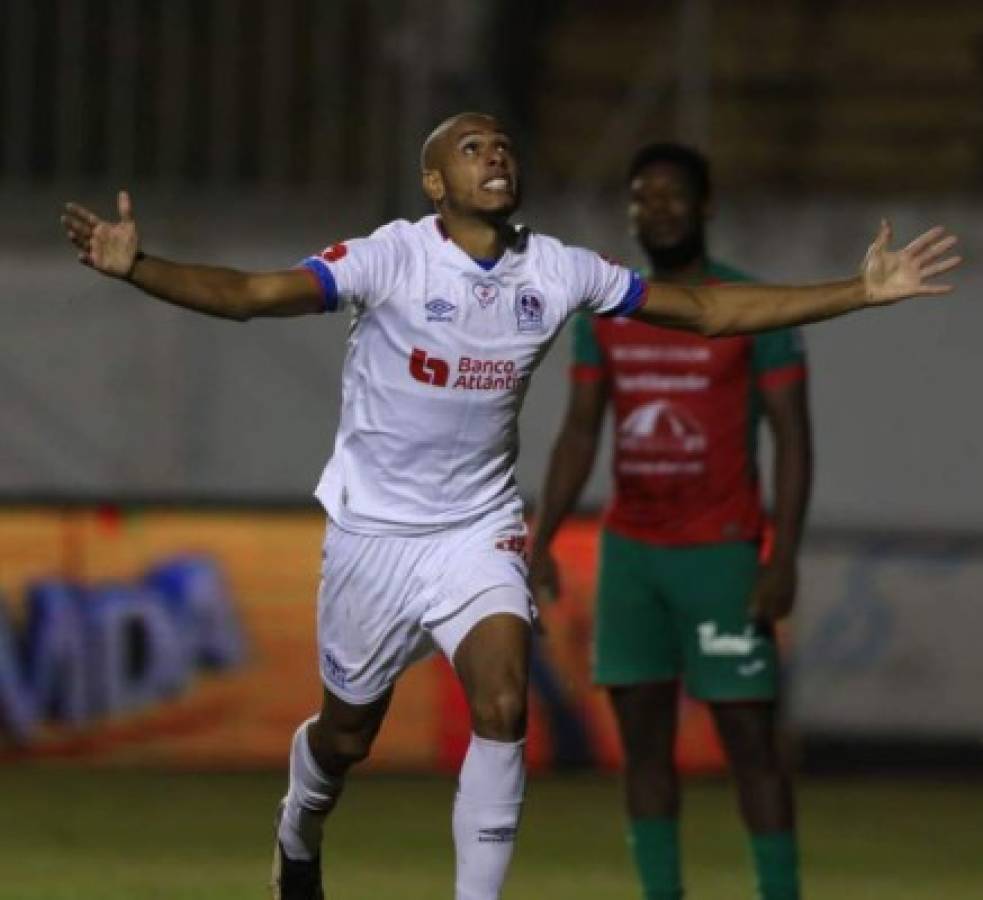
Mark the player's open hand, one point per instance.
(544, 578)
(774, 592)
(891, 275)
(108, 247)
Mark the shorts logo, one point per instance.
(750, 669)
(713, 643)
(334, 671)
(514, 543)
(429, 369)
(439, 310)
(486, 292)
(334, 252)
(529, 306)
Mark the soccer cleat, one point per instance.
(293, 879)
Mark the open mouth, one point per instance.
(500, 184)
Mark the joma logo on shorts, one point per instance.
(334, 670)
(713, 644)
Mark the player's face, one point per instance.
(479, 171)
(665, 210)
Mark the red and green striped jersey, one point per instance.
(686, 413)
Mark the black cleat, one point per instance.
(294, 879)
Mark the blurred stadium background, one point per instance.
(158, 542)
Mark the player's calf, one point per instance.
(311, 795)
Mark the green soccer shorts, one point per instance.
(670, 612)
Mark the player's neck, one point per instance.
(692, 272)
(479, 238)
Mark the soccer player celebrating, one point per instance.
(681, 592)
(424, 545)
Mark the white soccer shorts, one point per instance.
(387, 601)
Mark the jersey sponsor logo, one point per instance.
(714, 643)
(334, 252)
(663, 384)
(529, 308)
(662, 427)
(471, 373)
(486, 292)
(475, 374)
(440, 310)
(649, 353)
(428, 369)
(661, 467)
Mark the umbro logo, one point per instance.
(440, 310)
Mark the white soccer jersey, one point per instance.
(439, 357)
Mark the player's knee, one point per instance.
(336, 751)
(500, 714)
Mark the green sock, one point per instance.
(776, 863)
(655, 846)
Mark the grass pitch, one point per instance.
(75, 834)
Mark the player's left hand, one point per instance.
(544, 576)
(891, 275)
(774, 592)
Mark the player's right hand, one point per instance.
(774, 592)
(544, 577)
(108, 247)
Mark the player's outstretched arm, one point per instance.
(113, 248)
(886, 276)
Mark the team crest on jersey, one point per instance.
(529, 308)
(440, 310)
(486, 293)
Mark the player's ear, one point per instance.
(433, 185)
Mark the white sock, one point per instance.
(311, 795)
(486, 816)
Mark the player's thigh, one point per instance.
(749, 733)
(727, 655)
(647, 717)
(482, 576)
(374, 593)
(493, 656)
(634, 642)
(487, 641)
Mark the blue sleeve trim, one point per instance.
(329, 287)
(633, 297)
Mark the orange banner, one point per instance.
(185, 638)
